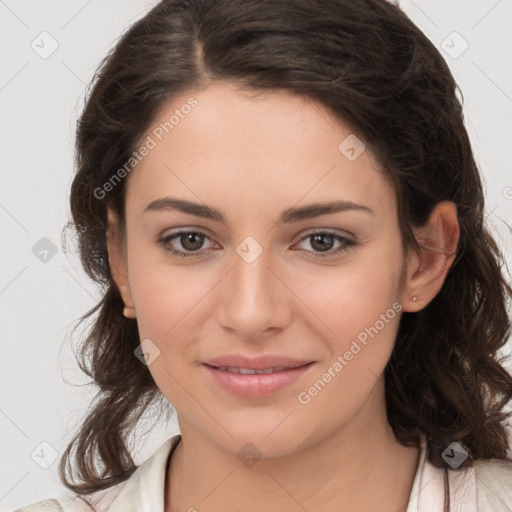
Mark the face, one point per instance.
(266, 275)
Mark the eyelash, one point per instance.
(347, 244)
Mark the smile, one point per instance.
(251, 371)
(253, 383)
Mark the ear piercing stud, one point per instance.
(127, 312)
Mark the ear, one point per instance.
(118, 262)
(427, 271)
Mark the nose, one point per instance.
(254, 297)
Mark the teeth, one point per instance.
(250, 371)
(246, 371)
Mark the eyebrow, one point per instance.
(287, 216)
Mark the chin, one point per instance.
(268, 438)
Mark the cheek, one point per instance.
(363, 321)
(360, 316)
(168, 300)
(357, 304)
(353, 296)
(164, 290)
(168, 304)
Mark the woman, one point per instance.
(281, 202)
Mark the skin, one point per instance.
(253, 157)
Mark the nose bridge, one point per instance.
(252, 277)
(250, 299)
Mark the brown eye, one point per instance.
(190, 243)
(324, 241)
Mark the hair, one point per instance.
(379, 74)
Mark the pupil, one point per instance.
(189, 237)
(322, 246)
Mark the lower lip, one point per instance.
(254, 385)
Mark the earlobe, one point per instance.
(118, 264)
(427, 270)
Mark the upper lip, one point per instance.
(256, 363)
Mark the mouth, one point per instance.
(251, 371)
(250, 382)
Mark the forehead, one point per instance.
(254, 150)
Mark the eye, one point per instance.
(190, 241)
(324, 242)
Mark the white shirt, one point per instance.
(485, 487)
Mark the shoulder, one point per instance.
(494, 471)
(98, 501)
(494, 483)
(150, 472)
(50, 505)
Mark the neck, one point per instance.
(360, 466)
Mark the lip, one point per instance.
(255, 385)
(257, 363)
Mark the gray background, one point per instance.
(43, 395)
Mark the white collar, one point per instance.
(428, 489)
(144, 490)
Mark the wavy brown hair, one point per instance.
(379, 74)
